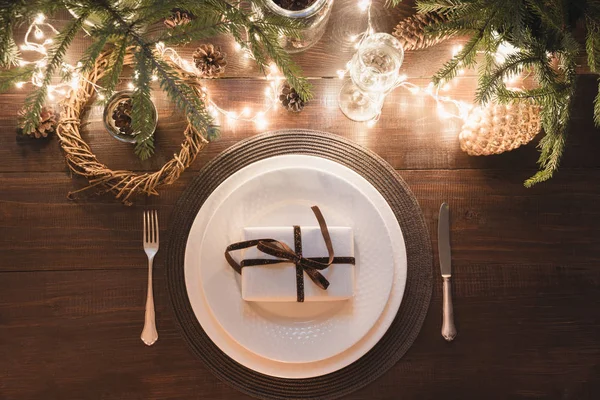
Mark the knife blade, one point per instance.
(444, 240)
(448, 328)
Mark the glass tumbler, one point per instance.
(312, 21)
(374, 72)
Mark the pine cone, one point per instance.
(179, 17)
(290, 99)
(209, 60)
(122, 116)
(411, 31)
(47, 125)
(497, 128)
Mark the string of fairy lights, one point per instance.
(40, 29)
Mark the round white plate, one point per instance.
(223, 340)
(297, 332)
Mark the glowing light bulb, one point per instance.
(154, 78)
(19, 85)
(40, 18)
(414, 90)
(341, 73)
(261, 123)
(353, 38)
(101, 96)
(461, 71)
(130, 86)
(38, 34)
(363, 5)
(237, 46)
(442, 112)
(246, 111)
(371, 123)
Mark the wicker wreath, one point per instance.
(81, 160)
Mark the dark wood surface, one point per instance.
(526, 261)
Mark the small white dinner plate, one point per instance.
(212, 327)
(287, 331)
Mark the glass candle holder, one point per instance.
(312, 19)
(109, 122)
(374, 71)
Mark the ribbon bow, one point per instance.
(284, 253)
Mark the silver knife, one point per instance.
(448, 328)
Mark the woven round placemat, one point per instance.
(403, 330)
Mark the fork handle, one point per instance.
(448, 328)
(149, 333)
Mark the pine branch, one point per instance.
(142, 110)
(465, 58)
(489, 84)
(592, 46)
(552, 147)
(91, 54)
(184, 97)
(9, 52)
(10, 77)
(111, 79)
(263, 39)
(200, 28)
(36, 100)
(446, 7)
(392, 3)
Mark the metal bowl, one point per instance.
(109, 123)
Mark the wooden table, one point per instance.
(526, 261)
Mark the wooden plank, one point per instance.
(495, 220)
(410, 134)
(524, 331)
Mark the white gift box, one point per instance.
(277, 282)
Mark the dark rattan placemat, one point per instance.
(417, 295)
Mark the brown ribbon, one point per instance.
(284, 253)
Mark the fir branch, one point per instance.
(142, 110)
(36, 100)
(552, 147)
(263, 39)
(446, 7)
(10, 77)
(184, 97)
(465, 58)
(489, 84)
(200, 28)
(91, 54)
(111, 79)
(592, 46)
(9, 52)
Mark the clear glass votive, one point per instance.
(374, 71)
(109, 122)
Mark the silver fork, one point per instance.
(149, 333)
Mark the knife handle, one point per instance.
(448, 328)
